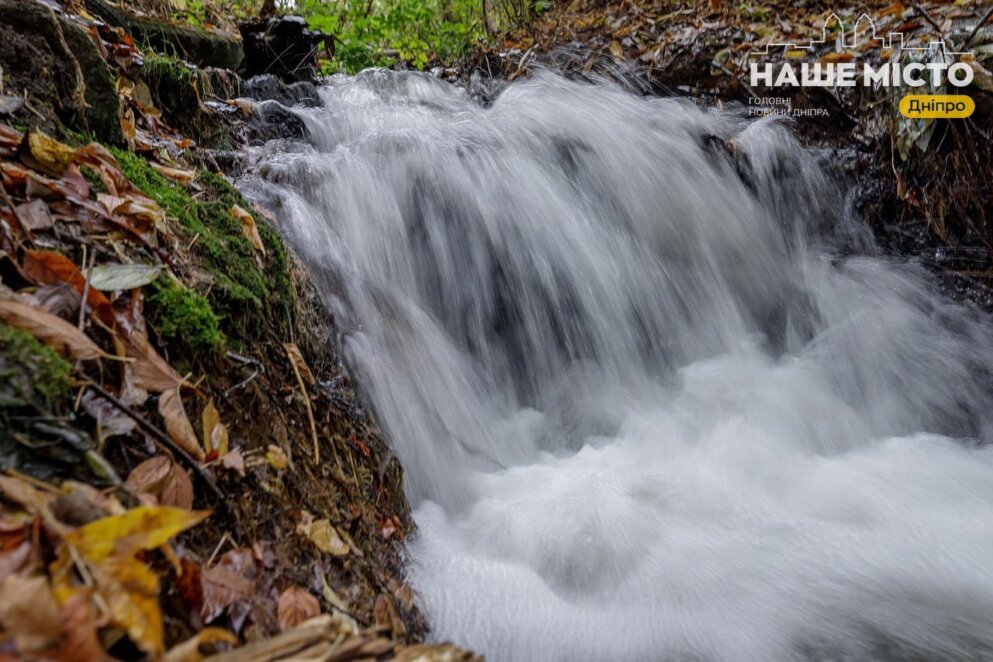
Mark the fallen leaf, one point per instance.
(233, 461)
(215, 434)
(112, 422)
(296, 605)
(175, 174)
(141, 528)
(229, 582)
(276, 457)
(248, 228)
(50, 268)
(111, 277)
(80, 624)
(324, 536)
(46, 154)
(178, 424)
(131, 590)
(189, 650)
(162, 478)
(34, 215)
(55, 332)
(296, 357)
(29, 613)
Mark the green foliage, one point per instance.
(372, 34)
(183, 317)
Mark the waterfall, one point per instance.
(656, 393)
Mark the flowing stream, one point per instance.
(656, 394)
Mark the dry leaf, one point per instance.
(46, 154)
(231, 581)
(49, 268)
(175, 174)
(276, 457)
(29, 612)
(111, 277)
(248, 228)
(233, 461)
(215, 434)
(34, 215)
(296, 605)
(162, 478)
(296, 357)
(55, 332)
(178, 424)
(131, 590)
(141, 528)
(79, 618)
(324, 536)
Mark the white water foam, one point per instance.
(650, 403)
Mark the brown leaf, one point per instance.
(49, 268)
(80, 624)
(30, 613)
(296, 605)
(215, 434)
(55, 332)
(296, 357)
(229, 582)
(248, 228)
(162, 478)
(34, 215)
(175, 174)
(178, 424)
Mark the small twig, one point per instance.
(86, 286)
(163, 439)
(975, 30)
(310, 411)
(927, 17)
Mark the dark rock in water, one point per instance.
(204, 48)
(51, 59)
(268, 87)
(281, 46)
(270, 121)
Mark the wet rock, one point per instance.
(282, 46)
(272, 120)
(103, 106)
(267, 87)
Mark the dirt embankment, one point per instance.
(182, 455)
(921, 185)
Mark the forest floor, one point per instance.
(184, 463)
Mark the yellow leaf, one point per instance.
(131, 590)
(144, 527)
(248, 227)
(178, 424)
(276, 458)
(325, 537)
(46, 154)
(215, 434)
(175, 174)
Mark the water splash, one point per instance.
(655, 397)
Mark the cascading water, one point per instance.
(653, 399)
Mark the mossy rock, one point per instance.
(248, 294)
(177, 89)
(197, 45)
(183, 317)
(36, 432)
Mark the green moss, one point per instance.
(183, 317)
(176, 90)
(247, 293)
(31, 374)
